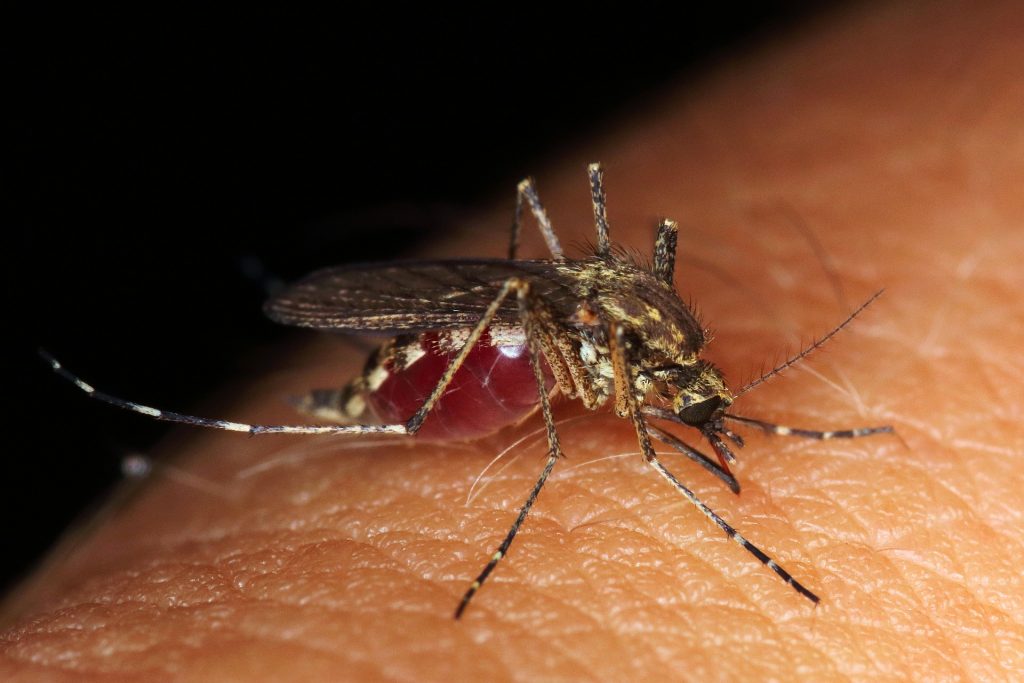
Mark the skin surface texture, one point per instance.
(880, 148)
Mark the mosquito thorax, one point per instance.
(659, 327)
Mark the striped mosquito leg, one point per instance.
(781, 430)
(732, 533)
(596, 176)
(530, 318)
(637, 416)
(665, 251)
(526, 191)
(193, 420)
(411, 426)
(696, 456)
(503, 548)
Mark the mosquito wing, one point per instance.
(395, 297)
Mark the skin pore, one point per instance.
(895, 143)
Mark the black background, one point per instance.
(150, 164)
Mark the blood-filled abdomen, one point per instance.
(495, 386)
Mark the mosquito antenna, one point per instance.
(782, 430)
(814, 346)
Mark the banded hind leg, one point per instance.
(534, 338)
(410, 426)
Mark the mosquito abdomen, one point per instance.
(493, 389)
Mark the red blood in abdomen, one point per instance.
(494, 388)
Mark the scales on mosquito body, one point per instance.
(481, 344)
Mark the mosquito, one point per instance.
(480, 344)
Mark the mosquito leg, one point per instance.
(596, 176)
(503, 548)
(411, 426)
(620, 365)
(551, 349)
(732, 533)
(528, 314)
(722, 450)
(585, 387)
(693, 454)
(527, 191)
(811, 433)
(665, 251)
(517, 220)
(571, 374)
(169, 416)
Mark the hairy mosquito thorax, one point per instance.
(659, 327)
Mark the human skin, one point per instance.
(879, 148)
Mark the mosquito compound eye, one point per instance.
(701, 412)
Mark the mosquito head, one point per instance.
(699, 394)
